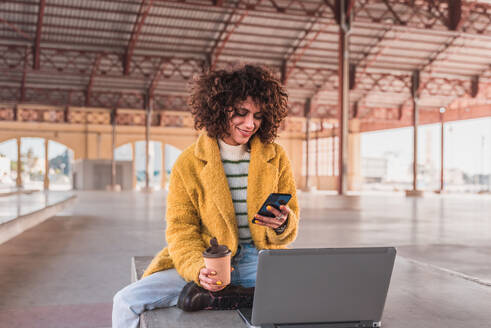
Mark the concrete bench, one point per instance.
(419, 296)
(175, 318)
(23, 210)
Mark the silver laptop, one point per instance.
(322, 287)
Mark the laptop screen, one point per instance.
(322, 285)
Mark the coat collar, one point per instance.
(262, 180)
(206, 149)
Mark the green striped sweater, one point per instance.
(235, 161)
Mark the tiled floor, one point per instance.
(73, 263)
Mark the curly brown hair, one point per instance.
(214, 94)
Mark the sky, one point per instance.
(9, 148)
(467, 144)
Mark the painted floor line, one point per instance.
(448, 271)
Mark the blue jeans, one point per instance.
(162, 289)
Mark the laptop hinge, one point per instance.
(351, 324)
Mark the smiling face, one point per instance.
(243, 122)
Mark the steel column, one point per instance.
(344, 7)
(19, 164)
(163, 173)
(46, 165)
(307, 138)
(333, 147)
(317, 156)
(148, 105)
(442, 143)
(113, 147)
(133, 166)
(414, 98)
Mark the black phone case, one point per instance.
(275, 200)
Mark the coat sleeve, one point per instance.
(286, 184)
(183, 229)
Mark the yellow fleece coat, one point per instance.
(199, 204)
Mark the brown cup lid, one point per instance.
(216, 250)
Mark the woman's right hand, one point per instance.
(208, 282)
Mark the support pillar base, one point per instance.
(147, 189)
(113, 187)
(309, 189)
(414, 193)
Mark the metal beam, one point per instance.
(140, 20)
(16, 29)
(219, 50)
(156, 78)
(419, 15)
(164, 18)
(24, 77)
(369, 63)
(211, 54)
(453, 18)
(460, 113)
(427, 66)
(298, 55)
(454, 14)
(394, 13)
(95, 67)
(298, 51)
(474, 86)
(37, 41)
(296, 12)
(283, 71)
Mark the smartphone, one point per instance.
(275, 200)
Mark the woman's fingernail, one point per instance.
(213, 273)
(268, 208)
(219, 283)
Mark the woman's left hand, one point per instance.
(277, 221)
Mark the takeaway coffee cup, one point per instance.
(217, 258)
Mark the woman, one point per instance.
(217, 186)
